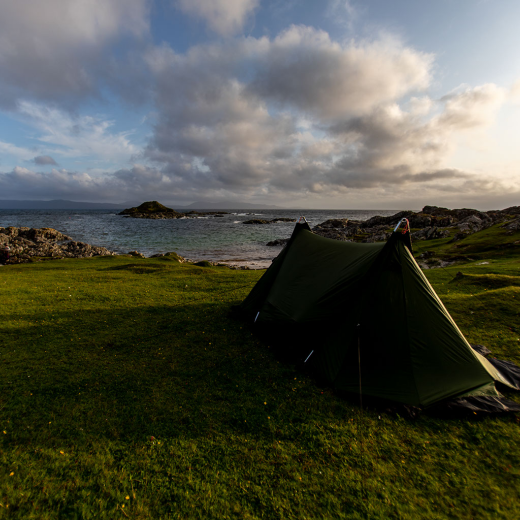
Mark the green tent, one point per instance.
(366, 319)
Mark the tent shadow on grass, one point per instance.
(167, 379)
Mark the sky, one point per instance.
(345, 104)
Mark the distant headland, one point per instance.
(73, 205)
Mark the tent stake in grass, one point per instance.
(312, 352)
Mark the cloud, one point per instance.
(342, 12)
(225, 17)
(298, 113)
(304, 68)
(16, 151)
(60, 52)
(23, 182)
(44, 160)
(514, 92)
(77, 136)
(306, 115)
(472, 107)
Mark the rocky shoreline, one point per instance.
(430, 223)
(36, 245)
(33, 245)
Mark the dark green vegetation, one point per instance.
(495, 242)
(124, 383)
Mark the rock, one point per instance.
(136, 254)
(513, 210)
(170, 256)
(430, 233)
(433, 222)
(392, 220)
(335, 234)
(204, 263)
(29, 244)
(420, 220)
(381, 237)
(474, 223)
(512, 226)
(435, 210)
(278, 242)
(336, 223)
(256, 221)
(457, 214)
(156, 211)
(153, 210)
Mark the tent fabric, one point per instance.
(366, 311)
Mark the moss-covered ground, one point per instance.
(126, 391)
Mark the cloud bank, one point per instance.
(58, 52)
(306, 115)
(296, 116)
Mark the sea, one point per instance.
(223, 239)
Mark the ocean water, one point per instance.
(222, 239)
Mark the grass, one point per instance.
(127, 392)
(493, 242)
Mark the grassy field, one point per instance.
(127, 392)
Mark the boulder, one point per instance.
(278, 242)
(336, 223)
(513, 225)
(420, 220)
(256, 221)
(474, 223)
(392, 220)
(170, 256)
(430, 233)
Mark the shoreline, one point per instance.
(228, 241)
(28, 245)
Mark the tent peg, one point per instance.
(309, 356)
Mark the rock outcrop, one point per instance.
(430, 223)
(157, 211)
(30, 244)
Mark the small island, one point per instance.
(156, 210)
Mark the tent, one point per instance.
(365, 318)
